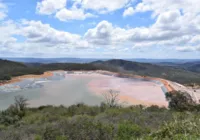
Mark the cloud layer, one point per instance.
(78, 10)
(3, 11)
(176, 24)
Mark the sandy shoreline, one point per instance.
(20, 78)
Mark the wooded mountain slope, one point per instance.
(10, 68)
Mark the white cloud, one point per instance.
(58, 7)
(8, 29)
(177, 23)
(38, 38)
(103, 6)
(78, 9)
(73, 14)
(48, 7)
(169, 20)
(128, 12)
(101, 34)
(3, 11)
(36, 31)
(42, 38)
(195, 39)
(187, 6)
(170, 29)
(2, 15)
(188, 48)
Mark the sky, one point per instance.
(157, 29)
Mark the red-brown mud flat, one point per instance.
(131, 91)
(20, 78)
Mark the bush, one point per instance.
(61, 138)
(179, 129)
(85, 122)
(51, 133)
(85, 127)
(127, 131)
(38, 137)
(155, 108)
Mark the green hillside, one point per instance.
(146, 69)
(9, 68)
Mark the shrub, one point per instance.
(179, 129)
(38, 137)
(51, 133)
(155, 108)
(85, 127)
(61, 138)
(127, 131)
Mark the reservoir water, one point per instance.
(68, 89)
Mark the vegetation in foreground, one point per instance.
(109, 121)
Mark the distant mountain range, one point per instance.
(190, 66)
(52, 60)
(88, 60)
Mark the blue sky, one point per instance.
(100, 29)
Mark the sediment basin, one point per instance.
(67, 88)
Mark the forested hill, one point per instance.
(190, 66)
(9, 68)
(146, 69)
(9, 64)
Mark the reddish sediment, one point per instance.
(50, 73)
(165, 82)
(133, 101)
(20, 78)
(129, 94)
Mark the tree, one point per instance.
(20, 102)
(111, 98)
(6, 77)
(15, 112)
(180, 101)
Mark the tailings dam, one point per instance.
(67, 88)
